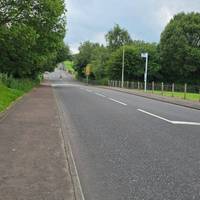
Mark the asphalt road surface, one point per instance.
(131, 148)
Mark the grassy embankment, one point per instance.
(11, 89)
(189, 96)
(69, 67)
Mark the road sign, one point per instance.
(144, 55)
(88, 70)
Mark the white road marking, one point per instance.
(101, 95)
(186, 123)
(124, 104)
(88, 90)
(170, 121)
(148, 113)
(64, 85)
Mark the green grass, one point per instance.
(11, 89)
(189, 96)
(69, 66)
(7, 96)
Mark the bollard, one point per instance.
(153, 86)
(127, 84)
(185, 91)
(173, 87)
(138, 85)
(132, 85)
(162, 88)
(199, 95)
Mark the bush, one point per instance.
(18, 84)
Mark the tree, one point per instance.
(64, 54)
(134, 64)
(31, 35)
(180, 48)
(99, 62)
(17, 56)
(12, 11)
(84, 57)
(117, 37)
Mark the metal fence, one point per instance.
(185, 91)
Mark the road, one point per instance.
(129, 147)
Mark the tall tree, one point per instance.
(180, 48)
(84, 57)
(64, 53)
(134, 64)
(99, 62)
(31, 34)
(117, 37)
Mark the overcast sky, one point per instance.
(144, 19)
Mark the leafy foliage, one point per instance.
(84, 57)
(64, 54)
(180, 48)
(117, 37)
(99, 62)
(175, 59)
(134, 64)
(31, 35)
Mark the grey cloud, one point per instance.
(144, 19)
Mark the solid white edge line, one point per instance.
(101, 95)
(169, 121)
(124, 104)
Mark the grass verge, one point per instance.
(7, 96)
(11, 89)
(181, 95)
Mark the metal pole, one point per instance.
(123, 66)
(145, 74)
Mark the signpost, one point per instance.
(87, 72)
(123, 57)
(145, 55)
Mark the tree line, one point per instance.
(176, 58)
(31, 36)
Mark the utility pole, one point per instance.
(123, 58)
(145, 55)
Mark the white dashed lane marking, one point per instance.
(101, 95)
(116, 101)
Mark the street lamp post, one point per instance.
(145, 55)
(123, 58)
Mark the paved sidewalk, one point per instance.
(172, 100)
(33, 164)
